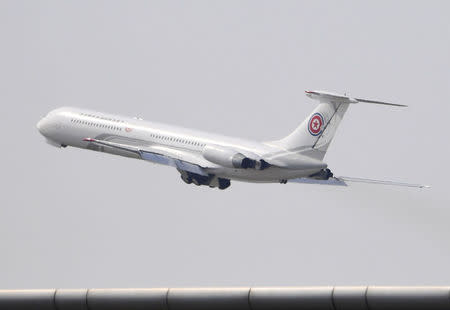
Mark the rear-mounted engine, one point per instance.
(232, 159)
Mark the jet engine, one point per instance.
(227, 157)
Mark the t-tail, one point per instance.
(315, 133)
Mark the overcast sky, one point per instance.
(73, 218)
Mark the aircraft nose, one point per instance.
(41, 126)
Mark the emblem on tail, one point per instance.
(315, 124)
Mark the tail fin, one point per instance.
(315, 133)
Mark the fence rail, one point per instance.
(279, 298)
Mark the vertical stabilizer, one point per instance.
(316, 132)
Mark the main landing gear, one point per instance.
(210, 180)
(223, 183)
(323, 174)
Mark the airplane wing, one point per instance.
(382, 182)
(330, 181)
(161, 155)
(342, 181)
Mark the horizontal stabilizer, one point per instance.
(328, 97)
(381, 102)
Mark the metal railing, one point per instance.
(280, 298)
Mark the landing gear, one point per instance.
(283, 181)
(210, 180)
(323, 174)
(224, 183)
(186, 178)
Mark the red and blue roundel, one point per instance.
(315, 124)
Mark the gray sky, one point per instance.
(73, 218)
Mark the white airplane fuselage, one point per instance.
(71, 127)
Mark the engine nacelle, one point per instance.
(227, 157)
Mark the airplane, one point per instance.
(210, 159)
